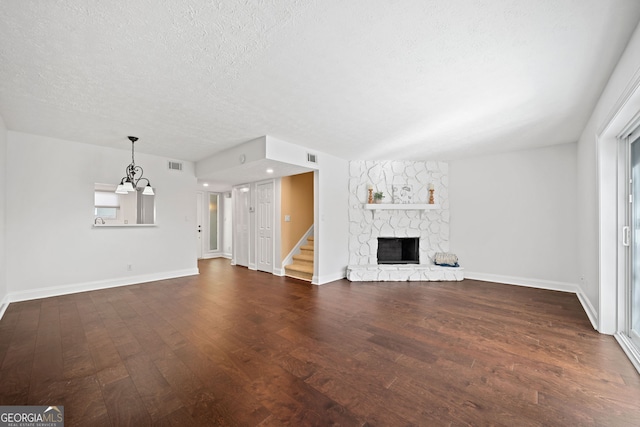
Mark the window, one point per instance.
(106, 205)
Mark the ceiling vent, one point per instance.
(176, 166)
(312, 158)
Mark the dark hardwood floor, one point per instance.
(239, 347)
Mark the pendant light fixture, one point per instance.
(129, 182)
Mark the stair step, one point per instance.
(308, 277)
(303, 258)
(299, 271)
(303, 268)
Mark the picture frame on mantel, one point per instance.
(402, 194)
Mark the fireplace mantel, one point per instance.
(400, 207)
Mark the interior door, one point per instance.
(265, 227)
(199, 215)
(241, 225)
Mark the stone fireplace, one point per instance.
(427, 225)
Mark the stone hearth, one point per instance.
(403, 272)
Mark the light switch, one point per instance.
(287, 218)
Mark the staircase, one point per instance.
(302, 266)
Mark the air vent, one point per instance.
(176, 166)
(312, 158)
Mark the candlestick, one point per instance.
(431, 199)
(370, 201)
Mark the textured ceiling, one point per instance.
(359, 79)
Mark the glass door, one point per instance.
(633, 292)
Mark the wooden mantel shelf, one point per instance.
(399, 206)
(374, 207)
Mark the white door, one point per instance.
(199, 224)
(265, 227)
(241, 226)
(633, 291)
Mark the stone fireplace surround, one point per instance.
(366, 224)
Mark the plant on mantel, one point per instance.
(378, 196)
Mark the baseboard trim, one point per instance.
(524, 281)
(218, 255)
(632, 352)
(592, 314)
(327, 278)
(97, 285)
(4, 304)
(278, 271)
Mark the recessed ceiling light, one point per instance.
(269, 170)
(206, 184)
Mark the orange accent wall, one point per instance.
(296, 193)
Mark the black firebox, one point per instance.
(398, 250)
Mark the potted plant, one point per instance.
(378, 196)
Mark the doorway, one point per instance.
(241, 200)
(199, 204)
(265, 226)
(631, 239)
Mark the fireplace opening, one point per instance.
(398, 250)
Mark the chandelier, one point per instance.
(129, 182)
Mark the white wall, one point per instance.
(252, 150)
(589, 262)
(3, 168)
(331, 220)
(49, 210)
(513, 217)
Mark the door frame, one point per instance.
(240, 192)
(629, 248)
(199, 217)
(257, 246)
(610, 318)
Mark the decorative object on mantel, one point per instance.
(431, 190)
(402, 194)
(378, 196)
(370, 199)
(129, 182)
(445, 259)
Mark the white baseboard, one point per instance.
(4, 304)
(100, 284)
(216, 255)
(524, 281)
(278, 271)
(327, 278)
(632, 352)
(592, 314)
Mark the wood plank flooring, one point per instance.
(239, 347)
